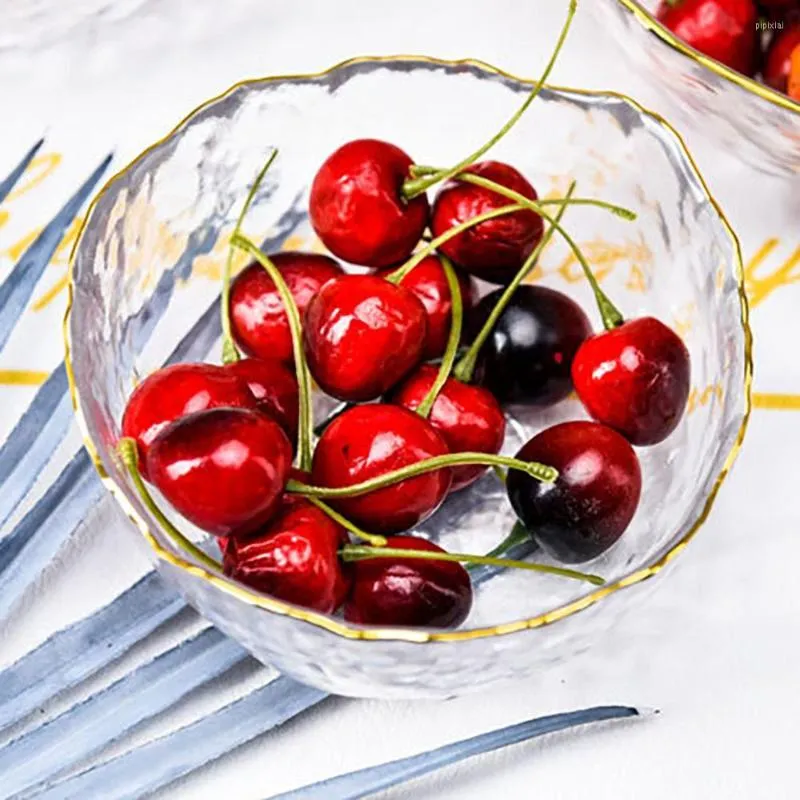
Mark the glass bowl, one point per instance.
(145, 284)
(760, 125)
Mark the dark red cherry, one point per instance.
(528, 356)
(778, 61)
(493, 250)
(592, 501)
(368, 441)
(635, 379)
(357, 208)
(258, 318)
(468, 418)
(363, 334)
(721, 29)
(428, 282)
(409, 591)
(173, 392)
(275, 389)
(294, 558)
(224, 470)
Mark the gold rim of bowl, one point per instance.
(415, 635)
(649, 22)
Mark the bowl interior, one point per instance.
(146, 280)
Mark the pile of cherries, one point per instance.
(759, 38)
(424, 372)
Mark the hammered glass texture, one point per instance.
(758, 130)
(148, 266)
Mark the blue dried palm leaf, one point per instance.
(10, 181)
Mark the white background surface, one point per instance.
(716, 647)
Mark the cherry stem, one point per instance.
(539, 471)
(230, 353)
(373, 539)
(466, 367)
(130, 458)
(434, 244)
(301, 367)
(453, 339)
(610, 314)
(362, 553)
(416, 186)
(517, 535)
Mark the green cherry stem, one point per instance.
(416, 186)
(517, 535)
(301, 367)
(373, 539)
(609, 313)
(434, 244)
(466, 366)
(354, 552)
(539, 471)
(230, 353)
(453, 339)
(130, 458)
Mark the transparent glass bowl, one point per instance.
(145, 281)
(760, 125)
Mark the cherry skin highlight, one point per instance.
(429, 283)
(173, 392)
(224, 469)
(721, 29)
(778, 62)
(363, 334)
(275, 389)
(468, 418)
(259, 323)
(295, 558)
(408, 591)
(495, 249)
(528, 356)
(367, 441)
(635, 379)
(357, 208)
(592, 501)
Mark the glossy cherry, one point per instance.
(495, 249)
(468, 418)
(721, 29)
(778, 62)
(294, 558)
(408, 591)
(594, 498)
(258, 319)
(357, 207)
(528, 355)
(275, 389)
(427, 281)
(362, 334)
(173, 392)
(634, 378)
(367, 441)
(224, 469)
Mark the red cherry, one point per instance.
(409, 591)
(173, 392)
(368, 441)
(362, 334)
(468, 418)
(635, 379)
(357, 208)
(295, 558)
(496, 249)
(258, 318)
(274, 388)
(778, 62)
(224, 470)
(592, 501)
(429, 283)
(721, 29)
(779, 8)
